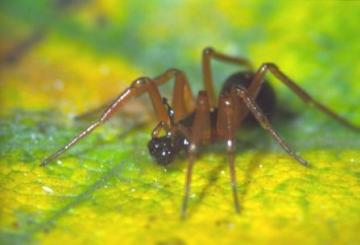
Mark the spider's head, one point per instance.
(165, 148)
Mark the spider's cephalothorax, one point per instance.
(189, 122)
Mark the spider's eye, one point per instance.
(162, 149)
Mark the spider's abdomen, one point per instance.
(266, 98)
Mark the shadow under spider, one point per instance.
(214, 175)
(253, 165)
(212, 179)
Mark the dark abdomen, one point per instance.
(266, 98)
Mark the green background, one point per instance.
(61, 58)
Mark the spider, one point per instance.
(189, 123)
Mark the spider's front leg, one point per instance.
(139, 86)
(182, 100)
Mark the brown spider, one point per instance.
(188, 123)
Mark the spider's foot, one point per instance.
(302, 161)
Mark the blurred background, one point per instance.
(73, 55)
(63, 57)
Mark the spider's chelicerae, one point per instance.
(189, 123)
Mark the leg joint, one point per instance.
(193, 148)
(141, 81)
(174, 72)
(240, 91)
(267, 65)
(230, 146)
(208, 51)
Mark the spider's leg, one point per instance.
(254, 88)
(210, 53)
(138, 87)
(185, 201)
(265, 123)
(226, 126)
(93, 112)
(183, 100)
(200, 132)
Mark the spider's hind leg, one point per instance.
(265, 123)
(258, 80)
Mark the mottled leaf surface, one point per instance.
(61, 58)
